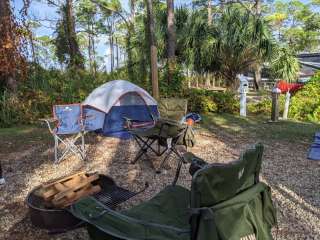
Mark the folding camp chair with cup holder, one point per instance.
(226, 202)
(67, 129)
(168, 132)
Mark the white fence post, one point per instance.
(286, 106)
(243, 89)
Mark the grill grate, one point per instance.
(114, 196)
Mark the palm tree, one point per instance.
(241, 41)
(285, 65)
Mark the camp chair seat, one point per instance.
(171, 220)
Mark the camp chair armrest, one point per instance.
(168, 122)
(128, 123)
(50, 122)
(188, 157)
(195, 162)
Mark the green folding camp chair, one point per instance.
(173, 108)
(168, 132)
(226, 202)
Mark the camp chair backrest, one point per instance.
(172, 108)
(68, 118)
(218, 182)
(92, 118)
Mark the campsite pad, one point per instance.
(294, 180)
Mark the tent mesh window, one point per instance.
(131, 98)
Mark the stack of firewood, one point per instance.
(65, 191)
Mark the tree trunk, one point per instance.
(7, 47)
(111, 45)
(117, 51)
(33, 51)
(208, 80)
(171, 40)
(257, 76)
(257, 6)
(232, 81)
(257, 68)
(222, 3)
(153, 50)
(93, 52)
(89, 48)
(76, 59)
(209, 8)
(132, 10)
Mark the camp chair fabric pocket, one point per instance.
(246, 217)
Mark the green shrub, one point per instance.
(204, 101)
(44, 88)
(264, 106)
(175, 87)
(305, 104)
(261, 107)
(9, 110)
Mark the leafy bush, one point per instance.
(261, 107)
(264, 106)
(44, 88)
(204, 101)
(175, 87)
(9, 110)
(305, 104)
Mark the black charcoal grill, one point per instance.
(61, 220)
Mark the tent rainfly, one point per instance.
(115, 100)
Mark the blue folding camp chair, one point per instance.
(92, 118)
(67, 129)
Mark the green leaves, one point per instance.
(296, 23)
(242, 40)
(305, 104)
(285, 65)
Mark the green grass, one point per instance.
(21, 136)
(251, 127)
(15, 131)
(259, 127)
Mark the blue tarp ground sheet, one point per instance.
(314, 152)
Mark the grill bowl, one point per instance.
(58, 220)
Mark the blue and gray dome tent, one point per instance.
(118, 99)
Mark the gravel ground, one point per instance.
(294, 180)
